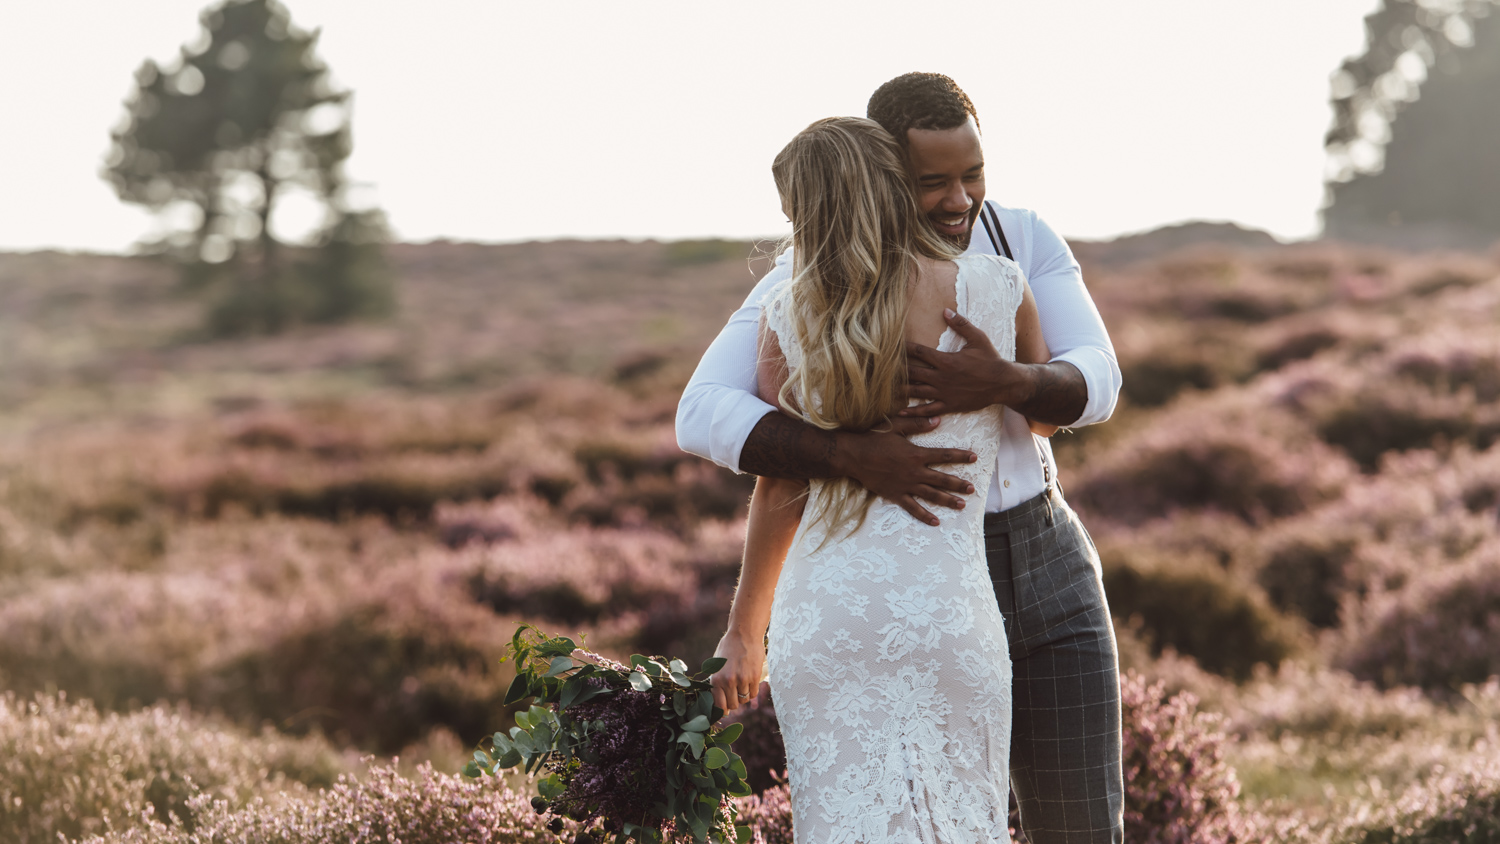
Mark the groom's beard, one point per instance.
(961, 240)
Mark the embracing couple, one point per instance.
(923, 665)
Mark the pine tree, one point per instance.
(1415, 141)
(215, 141)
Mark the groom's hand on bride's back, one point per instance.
(888, 465)
(969, 379)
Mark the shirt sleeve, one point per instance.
(1071, 324)
(720, 406)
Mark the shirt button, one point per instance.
(1007, 483)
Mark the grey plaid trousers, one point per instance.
(1065, 740)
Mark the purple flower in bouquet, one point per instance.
(611, 778)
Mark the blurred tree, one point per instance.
(247, 122)
(1434, 162)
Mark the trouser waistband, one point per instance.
(1034, 513)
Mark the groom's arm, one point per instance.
(720, 418)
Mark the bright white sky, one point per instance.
(497, 120)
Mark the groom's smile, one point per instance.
(948, 167)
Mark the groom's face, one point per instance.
(948, 166)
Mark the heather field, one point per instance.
(256, 590)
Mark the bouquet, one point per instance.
(627, 751)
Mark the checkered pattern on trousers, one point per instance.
(1065, 741)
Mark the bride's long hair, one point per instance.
(857, 232)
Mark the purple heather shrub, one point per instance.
(1431, 390)
(1458, 804)
(1438, 632)
(1178, 789)
(579, 575)
(642, 589)
(431, 808)
(1305, 699)
(1291, 340)
(1236, 457)
(513, 517)
(760, 745)
(375, 655)
(1450, 362)
(768, 813)
(67, 770)
(1422, 509)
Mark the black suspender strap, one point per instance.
(992, 227)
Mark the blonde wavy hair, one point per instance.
(857, 232)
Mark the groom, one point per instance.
(1065, 765)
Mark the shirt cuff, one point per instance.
(735, 417)
(1101, 377)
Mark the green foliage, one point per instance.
(380, 674)
(702, 772)
(212, 144)
(1305, 577)
(1199, 610)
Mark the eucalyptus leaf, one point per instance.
(542, 735)
(559, 665)
(523, 743)
(694, 741)
(742, 834)
(570, 692)
(698, 724)
(589, 693)
(561, 646)
(704, 705)
(640, 682)
(679, 703)
(678, 666)
(713, 664)
(681, 679)
(550, 787)
(715, 758)
(636, 660)
(509, 759)
(519, 688)
(730, 733)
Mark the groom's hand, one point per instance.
(889, 466)
(969, 379)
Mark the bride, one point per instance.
(884, 643)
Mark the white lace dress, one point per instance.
(887, 653)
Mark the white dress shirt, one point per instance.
(720, 405)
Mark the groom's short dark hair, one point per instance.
(919, 101)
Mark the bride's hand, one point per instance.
(738, 682)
